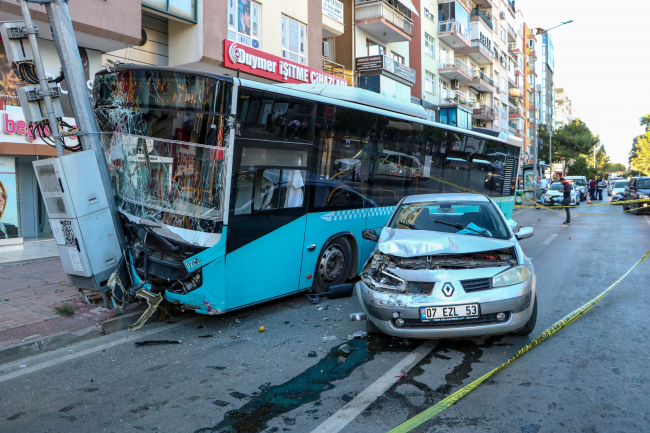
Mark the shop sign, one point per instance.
(256, 62)
(333, 9)
(16, 130)
(385, 63)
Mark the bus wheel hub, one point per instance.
(331, 264)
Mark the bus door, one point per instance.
(266, 226)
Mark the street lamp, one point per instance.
(550, 144)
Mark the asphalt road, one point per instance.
(228, 376)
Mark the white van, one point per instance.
(581, 185)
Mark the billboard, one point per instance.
(8, 198)
(550, 54)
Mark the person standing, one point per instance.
(601, 185)
(543, 187)
(592, 188)
(567, 200)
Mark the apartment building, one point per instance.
(564, 112)
(424, 57)
(546, 69)
(532, 95)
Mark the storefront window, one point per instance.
(244, 22)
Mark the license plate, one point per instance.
(449, 313)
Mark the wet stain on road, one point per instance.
(307, 387)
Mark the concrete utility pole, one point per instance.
(89, 134)
(40, 71)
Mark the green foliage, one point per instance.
(579, 167)
(569, 141)
(640, 153)
(616, 167)
(66, 310)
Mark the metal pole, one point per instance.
(66, 45)
(535, 147)
(42, 79)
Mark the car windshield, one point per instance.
(644, 183)
(557, 186)
(466, 217)
(620, 184)
(579, 182)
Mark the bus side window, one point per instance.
(279, 189)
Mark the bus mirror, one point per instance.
(340, 291)
(370, 235)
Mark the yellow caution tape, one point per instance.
(436, 409)
(552, 208)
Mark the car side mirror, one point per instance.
(524, 233)
(370, 235)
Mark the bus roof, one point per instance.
(291, 91)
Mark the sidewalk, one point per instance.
(32, 285)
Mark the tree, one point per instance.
(616, 167)
(569, 141)
(640, 152)
(579, 167)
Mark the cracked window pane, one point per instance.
(166, 138)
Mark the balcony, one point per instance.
(516, 113)
(512, 127)
(484, 3)
(514, 48)
(456, 97)
(512, 101)
(333, 68)
(516, 92)
(484, 112)
(453, 34)
(482, 82)
(386, 21)
(478, 51)
(478, 13)
(455, 69)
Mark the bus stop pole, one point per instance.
(89, 134)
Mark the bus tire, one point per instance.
(334, 263)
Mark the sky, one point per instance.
(601, 61)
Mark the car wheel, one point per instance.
(371, 328)
(530, 325)
(578, 202)
(333, 266)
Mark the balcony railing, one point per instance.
(512, 30)
(512, 46)
(485, 111)
(482, 76)
(456, 64)
(453, 26)
(456, 97)
(369, 9)
(512, 100)
(479, 43)
(333, 68)
(479, 13)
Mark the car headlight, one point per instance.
(643, 196)
(384, 281)
(614, 193)
(512, 276)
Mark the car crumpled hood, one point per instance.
(413, 243)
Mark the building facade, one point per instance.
(564, 111)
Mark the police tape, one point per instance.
(439, 407)
(551, 208)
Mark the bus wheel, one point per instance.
(334, 264)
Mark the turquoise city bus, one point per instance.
(234, 192)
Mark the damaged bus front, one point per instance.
(166, 136)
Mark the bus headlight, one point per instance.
(512, 276)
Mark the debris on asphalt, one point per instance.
(234, 337)
(345, 348)
(320, 349)
(206, 336)
(262, 329)
(358, 334)
(153, 300)
(237, 320)
(329, 338)
(315, 299)
(199, 327)
(403, 375)
(216, 367)
(325, 319)
(312, 354)
(156, 342)
(342, 359)
(286, 322)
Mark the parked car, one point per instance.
(555, 195)
(618, 189)
(610, 184)
(581, 185)
(638, 188)
(448, 265)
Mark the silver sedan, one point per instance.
(448, 265)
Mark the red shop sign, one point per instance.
(256, 62)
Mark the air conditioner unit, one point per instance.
(455, 84)
(326, 49)
(502, 15)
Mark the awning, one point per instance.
(409, 4)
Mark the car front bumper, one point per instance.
(516, 301)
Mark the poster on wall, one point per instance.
(8, 198)
(9, 82)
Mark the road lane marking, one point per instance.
(137, 335)
(549, 240)
(339, 420)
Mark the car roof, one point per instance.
(445, 197)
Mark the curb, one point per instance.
(62, 339)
